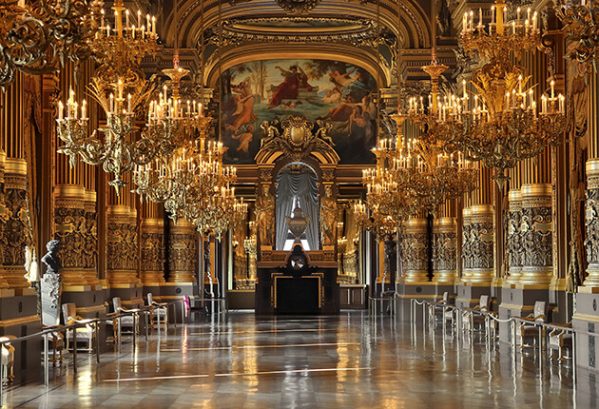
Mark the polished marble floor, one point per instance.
(346, 361)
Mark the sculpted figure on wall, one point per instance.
(328, 215)
(265, 207)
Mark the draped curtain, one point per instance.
(303, 186)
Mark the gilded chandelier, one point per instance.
(581, 22)
(502, 123)
(434, 175)
(122, 92)
(36, 37)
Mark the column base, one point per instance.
(586, 319)
(468, 294)
(518, 302)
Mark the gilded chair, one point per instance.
(84, 334)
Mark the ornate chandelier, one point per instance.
(36, 37)
(502, 123)
(122, 92)
(434, 175)
(581, 22)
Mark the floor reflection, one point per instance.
(349, 361)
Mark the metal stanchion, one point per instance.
(97, 341)
(46, 363)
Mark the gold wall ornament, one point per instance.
(581, 23)
(37, 37)
(297, 6)
(121, 247)
(182, 252)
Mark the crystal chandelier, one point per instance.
(122, 92)
(37, 37)
(581, 22)
(502, 123)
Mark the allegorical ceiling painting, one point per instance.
(261, 92)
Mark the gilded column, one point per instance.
(444, 250)
(152, 246)
(514, 242)
(478, 234)
(414, 251)
(121, 245)
(536, 235)
(182, 252)
(16, 224)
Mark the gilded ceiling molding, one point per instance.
(414, 28)
(336, 52)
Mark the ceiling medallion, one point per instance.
(297, 6)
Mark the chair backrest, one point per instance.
(445, 297)
(150, 299)
(484, 303)
(116, 303)
(69, 310)
(539, 311)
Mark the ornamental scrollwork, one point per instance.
(70, 230)
(478, 246)
(297, 6)
(15, 235)
(182, 253)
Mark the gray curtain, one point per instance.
(303, 186)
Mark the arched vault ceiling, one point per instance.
(413, 28)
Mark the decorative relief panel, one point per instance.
(182, 254)
(15, 227)
(478, 244)
(591, 242)
(536, 237)
(414, 249)
(121, 239)
(71, 231)
(513, 234)
(90, 233)
(444, 251)
(152, 251)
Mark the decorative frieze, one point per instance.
(444, 250)
(477, 244)
(414, 249)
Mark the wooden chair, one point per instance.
(476, 315)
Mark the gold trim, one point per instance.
(15, 166)
(20, 321)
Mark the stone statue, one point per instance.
(265, 207)
(51, 285)
(328, 215)
(50, 259)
